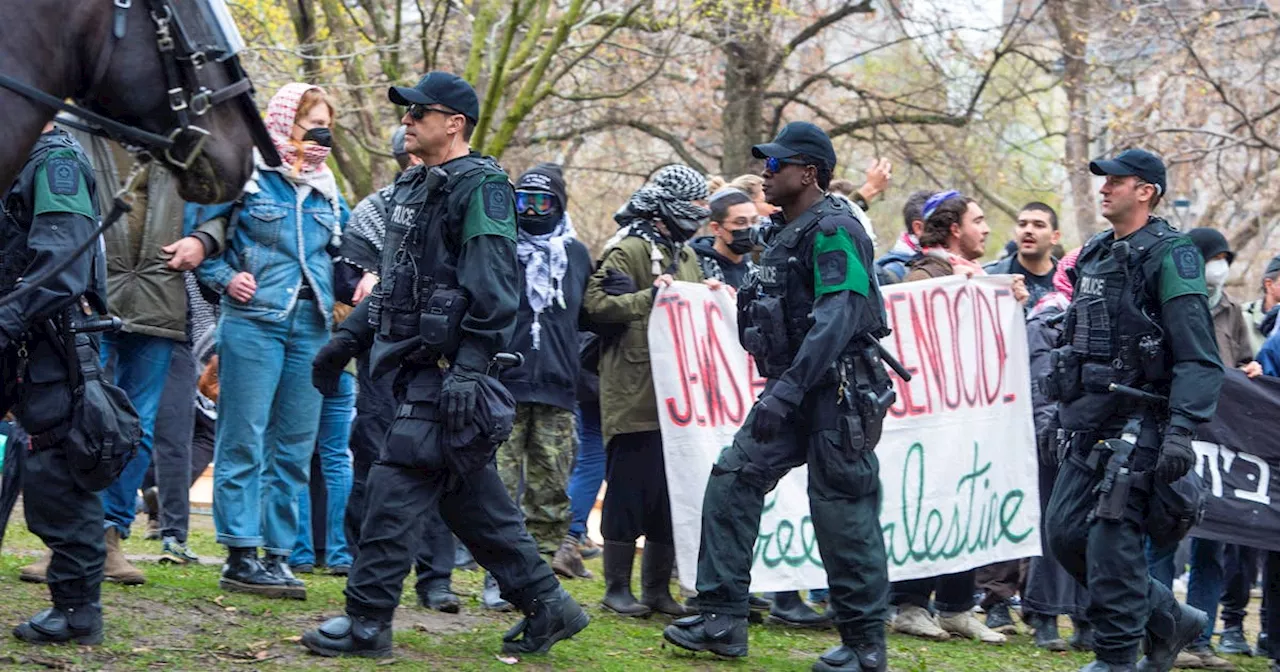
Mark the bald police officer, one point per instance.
(810, 318)
(445, 307)
(1138, 330)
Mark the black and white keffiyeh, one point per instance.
(676, 186)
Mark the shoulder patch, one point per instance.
(1187, 260)
(1181, 272)
(496, 203)
(837, 266)
(63, 175)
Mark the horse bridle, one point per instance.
(181, 60)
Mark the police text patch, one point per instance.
(1187, 260)
(63, 175)
(496, 203)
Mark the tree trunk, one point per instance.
(1070, 18)
(742, 120)
(303, 13)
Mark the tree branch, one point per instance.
(819, 24)
(676, 144)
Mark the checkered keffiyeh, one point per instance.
(677, 186)
(282, 112)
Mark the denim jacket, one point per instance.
(281, 236)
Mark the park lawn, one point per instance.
(180, 620)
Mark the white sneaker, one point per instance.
(918, 622)
(968, 626)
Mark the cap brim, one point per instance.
(772, 150)
(407, 95)
(1110, 167)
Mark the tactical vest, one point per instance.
(777, 306)
(1112, 330)
(19, 207)
(420, 261)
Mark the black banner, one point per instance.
(1239, 459)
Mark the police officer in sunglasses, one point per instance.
(810, 318)
(444, 308)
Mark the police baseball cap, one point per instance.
(1137, 162)
(440, 88)
(798, 137)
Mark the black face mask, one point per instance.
(679, 228)
(319, 135)
(742, 242)
(539, 225)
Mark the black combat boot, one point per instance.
(278, 566)
(1046, 631)
(854, 658)
(1102, 666)
(1082, 637)
(547, 620)
(1000, 620)
(790, 610)
(1166, 639)
(82, 625)
(722, 635)
(619, 558)
(244, 573)
(350, 636)
(440, 597)
(655, 580)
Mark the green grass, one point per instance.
(180, 620)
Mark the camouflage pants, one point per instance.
(535, 464)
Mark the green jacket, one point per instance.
(148, 297)
(627, 402)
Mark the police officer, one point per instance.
(48, 212)
(809, 318)
(1138, 319)
(445, 307)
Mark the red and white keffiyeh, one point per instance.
(303, 159)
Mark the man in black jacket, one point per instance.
(536, 461)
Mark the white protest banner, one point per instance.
(957, 456)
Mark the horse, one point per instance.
(160, 76)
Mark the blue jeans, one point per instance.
(1204, 586)
(1160, 563)
(588, 471)
(268, 418)
(335, 464)
(139, 365)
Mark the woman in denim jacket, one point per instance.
(275, 276)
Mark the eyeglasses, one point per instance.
(774, 164)
(535, 202)
(417, 111)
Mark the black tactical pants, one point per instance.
(66, 517)
(844, 500)
(409, 481)
(1107, 556)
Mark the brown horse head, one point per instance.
(71, 51)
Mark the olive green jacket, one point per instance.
(148, 297)
(627, 402)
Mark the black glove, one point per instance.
(617, 283)
(1047, 442)
(770, 415)
(459, 394)
(326, 368)
(1176, 455)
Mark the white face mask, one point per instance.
(1215, 273)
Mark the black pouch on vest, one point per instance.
(1096, 377)
(852, 436)
(441, 320)
(1062, 382)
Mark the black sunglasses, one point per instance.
(774, 164)
(417, 111)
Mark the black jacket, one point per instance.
(549, 374)
(716, 267)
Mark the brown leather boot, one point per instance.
(568, 560)
(38, 571)
(117, 569)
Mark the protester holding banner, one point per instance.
(892, 267)
(1258, 310)
(725, 254)
(648, 253)
(1050, 591)
(954, 236)
(809, 319)
(1138, 326)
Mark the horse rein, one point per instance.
(181, 62)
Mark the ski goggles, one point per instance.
(535, 202)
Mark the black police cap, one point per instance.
(1138, 162)
(439, 88)
(799, 137)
